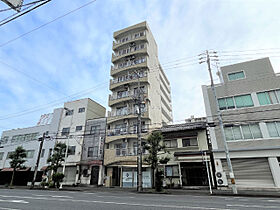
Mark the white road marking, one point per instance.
(14, 201)
(54, 196)
(112, 196)
(116, 203)
(277, 201)
(8, 208)
(60, 196)
(253, 206)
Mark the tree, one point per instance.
(55, 161)
(17, 160)
(156, 149)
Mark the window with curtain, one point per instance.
(273, 129)
(236, 75)
(235, 102)
(239, 132)
(269, 97)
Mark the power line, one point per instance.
(27, 4)
(264, 49)
(43, 84)
(47, 23)
(51, 104)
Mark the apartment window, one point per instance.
(170, 143)
(34, 136)
(121, 149)
(90, 152)
(121, 111)
(172, 171)
(241, 132)
(50, 153)
(8, 155)
(135, 148)
(69, 112)
(1, 155)
(120, 129)
(95, 130)
(4, 140)
(235, 102)
(42, 153)
(118, 149)
(65, 131)
(136, 109)
(269, 97)
(236, 75)
(189, 142)
(122, 94)
(30, 153)
(273, 129)
(136, 90)
(81, 110)
(71, 150)
(79, 128)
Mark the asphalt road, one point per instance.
(12, 199)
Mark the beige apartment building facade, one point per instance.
(134, 57)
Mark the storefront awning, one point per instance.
(11, 169)
(44, 168)
(90, 162)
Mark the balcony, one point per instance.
(115, 84)
(111, 157)
(130, 38)
(140, 62)
(125, 133)
(130, 114)
(130, 54)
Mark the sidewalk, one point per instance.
(198, 192)
(202, 192)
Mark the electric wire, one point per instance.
(47, 23)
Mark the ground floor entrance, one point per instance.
(194, 174)
(126, 177)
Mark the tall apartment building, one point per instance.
(72, 132)
(28, 139)
(134, 50)
(249, 100)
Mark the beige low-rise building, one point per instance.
(188, 149)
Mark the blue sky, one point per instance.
(73, 54)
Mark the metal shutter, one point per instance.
(251, 172)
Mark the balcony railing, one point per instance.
(129, 63)
(128, 77)
(126, 130)
(129, 50)
(129, 38)
(125, 112)
(128, 151)
(124, 94)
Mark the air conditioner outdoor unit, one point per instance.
(221, 179)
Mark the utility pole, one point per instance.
(41, 139)
(204, 156)
(67, 145)
(231, 174)
(139, 140)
